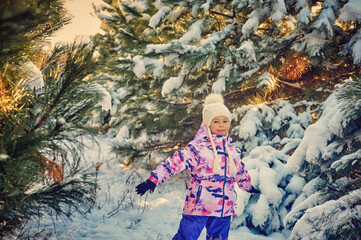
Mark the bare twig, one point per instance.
(222, 14)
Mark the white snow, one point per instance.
(35, 79)
(249, 124)
(156, 18)
(318, 135)
(351, 11)
(139, 66)
(248, 55)
(344, 161)
(158, 4)
(171, 84)
(251, 24)
(312, 43)
(219, 86)
(141, 5)
(267, 80)
(122, 214)
(326, 19)
(259, 210)
(268, 186)
(296, 184)
(171, 60)
(278, 10)
(216, 37)
(353, 47)
(249, 73)
(123, 133)
(303, 17)
(195, 10)
(194, 32)
(102, 6)
(356, 52)
(311, 223)
(175, 14)
(206, 5)
(106, 101)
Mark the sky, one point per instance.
(84, 21)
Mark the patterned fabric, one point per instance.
(209, 194)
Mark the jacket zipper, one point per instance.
(199, 194)
(225, 176)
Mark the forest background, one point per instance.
(288, 69)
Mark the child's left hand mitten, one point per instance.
(142, 188)
(253, 190)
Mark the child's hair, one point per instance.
(213, 107)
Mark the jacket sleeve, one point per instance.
(187, 158)
(243, 179)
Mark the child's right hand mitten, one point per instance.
(142, 188)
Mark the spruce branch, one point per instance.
(350, 97)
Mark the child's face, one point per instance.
(220, 125)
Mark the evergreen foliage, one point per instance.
(33, 20)
(168, 55)
(329, 157)
(41, 165)
(43, 115)
(174, 53)
(268, 134)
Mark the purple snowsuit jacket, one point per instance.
(209, 194)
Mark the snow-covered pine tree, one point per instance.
(170, 54)
(329, 158)
(42, 114)
(268, 134)
(251, 52)
(146, 122)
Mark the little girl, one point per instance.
(215, 166)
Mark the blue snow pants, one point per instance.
(191, 227)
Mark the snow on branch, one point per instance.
(342, 210)
(171, 84)
(194, 32)
(304, 16)
(353, 47)
(316, 146)
(35, 78)
(156, 18)
(351, 11)
(267, 80)
(278, 10)
(141, 65)
(252, 23)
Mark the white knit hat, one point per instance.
(214, 107)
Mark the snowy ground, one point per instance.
(121, 214)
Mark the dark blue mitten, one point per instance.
(142, 188)
(253, 190)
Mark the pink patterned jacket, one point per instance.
(209, 194)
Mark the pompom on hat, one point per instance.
(214, 107)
